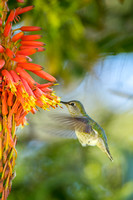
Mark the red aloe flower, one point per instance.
(19, 92)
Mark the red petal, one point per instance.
(25, 75)
(10, 99)
(16, 78)
(17, 36)
(4, 103)
(11, 16)
(38, 93)
(1, 49)
(7, 29)
(41, 86)
(31, 37)
(2, 63)
(45, 75)
(30, 66)
(10, 53)
(7, 75)
(30, 28)
(32, 43)
(35, 47)
(25, 9)
(27, 87)
(27, 52)
(20, 59)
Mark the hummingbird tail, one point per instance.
(104, 147)
(109, 154)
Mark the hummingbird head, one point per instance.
(75, 107)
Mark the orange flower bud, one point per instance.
(47, 90)
(25, 9)
(17, 36)
(12, 111)
(20, 111)
(11, 16)
(10, 53)
(20, 120)
(32, 43)
(7, 75)
(2, 63)
(7, 29)
(38, 93)
(45, 75)
(42, 86)
(4, 103)
(14, 107)
(30, 66)
(27, 87)
(31, 37)
(20, 58)
(1, 49)
(25, 75)
(10, 99)
(30, 28)
(27, 51)
(16, 78)
(34, 47)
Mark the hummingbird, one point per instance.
(88, 132)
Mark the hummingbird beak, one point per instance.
(64, 102)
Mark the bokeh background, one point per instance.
(89, 49)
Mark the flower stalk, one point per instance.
(19, 92)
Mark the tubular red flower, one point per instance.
(27, 87)
(32, 43)
(45, 85)
(30, 66)
(25, 75)
(17, 36)
(33, 47)
(31, 37)
(45, 75)
(30, 28)
(2, 63)
(4, 103)
(10, 53)
(7, 75)
(1, 49)
(11, 16)
(23, 10)
(10, 99)
(16, 78)
(7, 29)
(27, 51)
(20, 58)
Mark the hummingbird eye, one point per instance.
(72, 104)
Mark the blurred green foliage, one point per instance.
(77, 33)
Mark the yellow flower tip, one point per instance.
(56, 84)
(13, 88)
(25, 124)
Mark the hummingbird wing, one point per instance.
(64, 126)
(70, 123)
